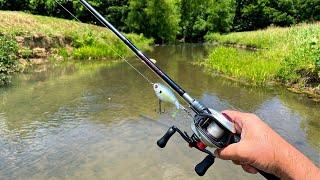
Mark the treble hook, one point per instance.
(160, 108)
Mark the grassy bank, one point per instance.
(290, 56)
(35, 39)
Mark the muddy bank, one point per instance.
(38, 48)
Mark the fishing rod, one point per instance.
(195, 105)
(210, 128)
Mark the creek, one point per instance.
(82, 120)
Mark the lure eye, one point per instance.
(155, 86)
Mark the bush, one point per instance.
(8, 59)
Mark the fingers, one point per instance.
(236, 162)
(231, 152)
(246, 167)
(236, 117)
(249, 169)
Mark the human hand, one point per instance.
(262, 148)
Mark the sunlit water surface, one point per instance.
(83, 120)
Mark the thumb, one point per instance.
(231, 152)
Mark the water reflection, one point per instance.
(82, 120)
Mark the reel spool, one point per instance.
(213, 129)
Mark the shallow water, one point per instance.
(83, 120)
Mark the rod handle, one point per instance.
(162, 142)
(204, 165)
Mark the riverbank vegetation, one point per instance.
(8, 59)
(287, 55)
(184, 20)
(26, 38)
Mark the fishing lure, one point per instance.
(165, 94)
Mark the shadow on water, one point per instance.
(82, 120)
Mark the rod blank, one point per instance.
(136, 51)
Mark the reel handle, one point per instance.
(162, 142)
(236, 138)
(204, 165)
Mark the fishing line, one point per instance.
(109, 45)
(67, 11)
(120, 56)
(186, 110)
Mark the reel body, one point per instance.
(210, 129)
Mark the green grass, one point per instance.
(60, 37)
(108, 47)
(251, 67)
(287, 55)
(88, 41)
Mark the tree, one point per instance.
(220, 16)
(256, 14)
(192, 23)
(14, 5)
(154, 18)
(308, 10)
(117, 12)
(199, 17)
(189, 20)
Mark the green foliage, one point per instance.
(86, 39)
(303, 57)
(88, 52)
(293, 53)
(317, 65)
(256, 14)
(77, 34)
(82, 41)
(200, 17)
(267, 38)
(25, 53)
(8, 59)
(93, 47)
(308, 10)
(154, 18)
(14, 5)
(168, 20)
(117, 12)
(193, 24)
(63, 52)
(252, 67)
